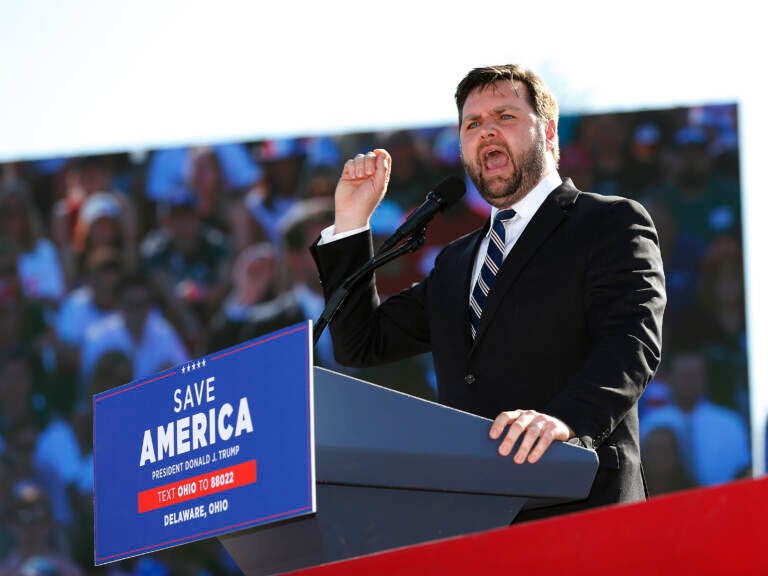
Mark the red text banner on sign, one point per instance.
(198, 486)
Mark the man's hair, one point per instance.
(539, 96)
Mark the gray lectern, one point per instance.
(394, 470)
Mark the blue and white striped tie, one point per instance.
(493, 259)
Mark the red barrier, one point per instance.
(721, 530)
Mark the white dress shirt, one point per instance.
(513, 228)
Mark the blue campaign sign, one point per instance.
(219, 444)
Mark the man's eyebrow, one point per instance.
(506, 107)
(496, 110)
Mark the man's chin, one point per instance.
(496, 189)
(501, 195)
(497, 201)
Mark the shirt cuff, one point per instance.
(329, 235)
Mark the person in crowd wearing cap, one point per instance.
(189, 265)
(96, 298)
(39, 267)
(84, 177)
(138, 329)
(103, 221)
(557, 340)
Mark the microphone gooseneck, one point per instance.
(442, 197)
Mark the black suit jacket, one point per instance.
(571, 327)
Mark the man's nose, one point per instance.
(488, 129)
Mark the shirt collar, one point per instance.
(527, 206)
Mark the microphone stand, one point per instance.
(336, 300)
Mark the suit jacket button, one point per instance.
(470, 379)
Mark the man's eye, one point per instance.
(472, 125)
(507, 117)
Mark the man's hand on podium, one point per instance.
(540, 431)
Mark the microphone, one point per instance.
(442, 197)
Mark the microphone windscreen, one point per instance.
(450, 191)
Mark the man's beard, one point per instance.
(527, 171)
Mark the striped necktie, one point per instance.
(493, 259)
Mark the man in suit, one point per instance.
(564, 336)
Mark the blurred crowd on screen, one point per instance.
(114, 267)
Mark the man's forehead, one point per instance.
(500, 88)
(509, 91)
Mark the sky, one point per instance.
(98, 75)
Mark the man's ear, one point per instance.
(550, 131)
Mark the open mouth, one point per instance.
(494, 158)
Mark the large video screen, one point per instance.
(115, 266)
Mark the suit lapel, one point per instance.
(459, 277)
(547, 218)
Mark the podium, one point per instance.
(393, 470)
